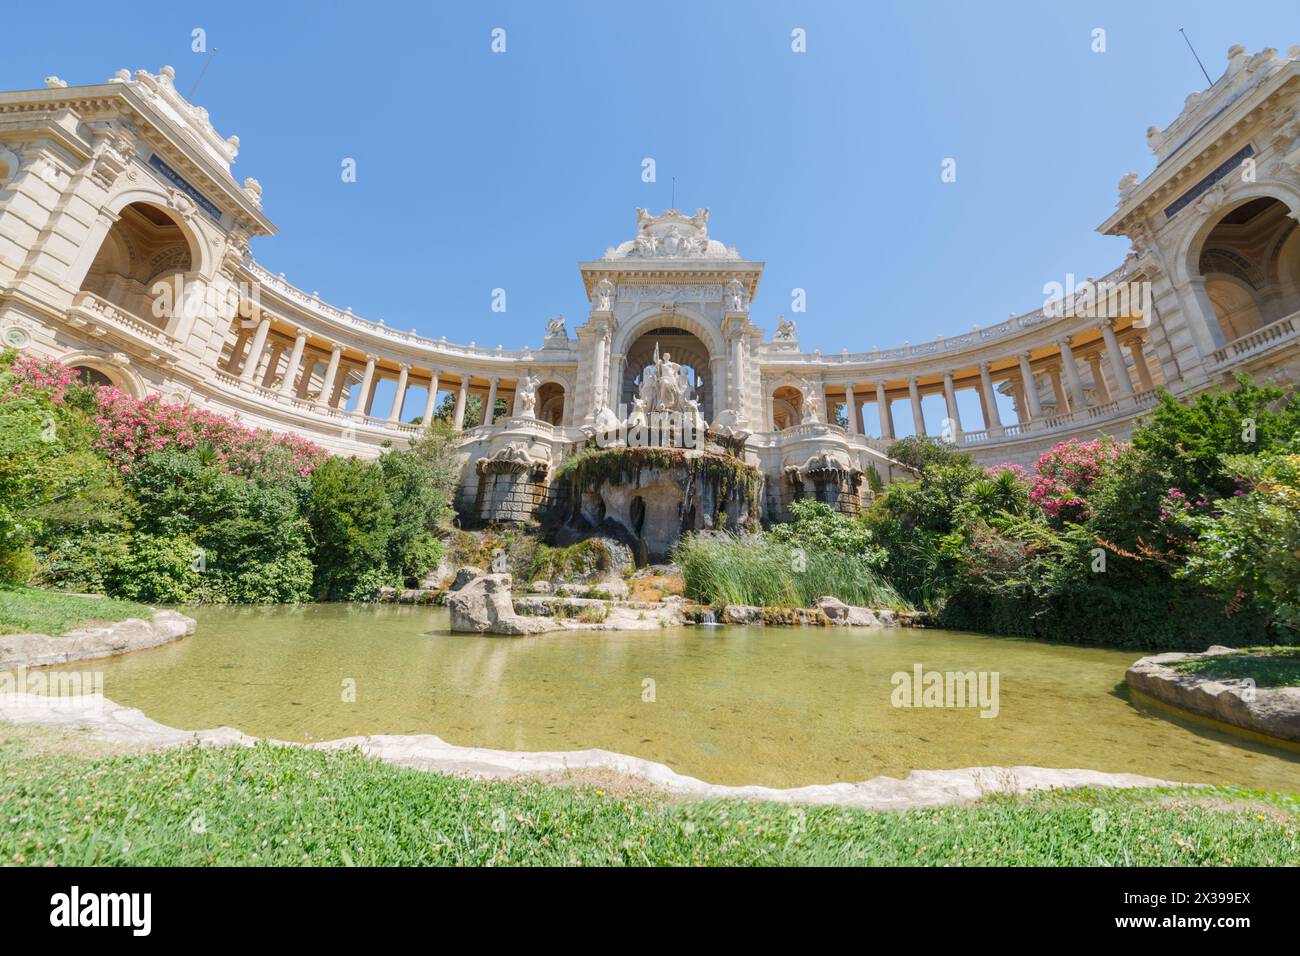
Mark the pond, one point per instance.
(730, 705)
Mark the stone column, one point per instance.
(399, 396)
(992, 420)
(1117, 363)
(458, 418)
(1030, 387)
(1058, 390)
(1018, 400)
(431, 400)
(367, 388)
(1077, 401)
(331, 373)
(600, 371)
(918, 415)
(255, 350)
(950, 398)
(304, 380)
(851, 401)
(491, 405)
(718, 370)
(237, 350)
(882, 410)
(1140, 363)
(370, 395)
(271, 365)
(737, 373)
(295, 359)
(337, 399)
(1098, 378)
(615, 379)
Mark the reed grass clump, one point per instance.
(725, 569)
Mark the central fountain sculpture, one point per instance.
(662, 427)
(652, 474)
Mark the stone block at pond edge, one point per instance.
(485, 606)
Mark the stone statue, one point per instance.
(785, 329)
(730, 424)
(735, 296)
(669, 389)
(695, 419)
(811, 408)
(604, 294)
(528, 395)
(607, 423)
(637, 419)
(555, 327)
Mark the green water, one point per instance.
(782, 707)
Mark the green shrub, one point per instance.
(921, 452)
(351, 520)
(156, 570)
(1250, 543)
(419, 482)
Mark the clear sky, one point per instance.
(478, 170)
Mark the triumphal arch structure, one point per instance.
(124, 252)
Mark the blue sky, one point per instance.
(478, 170)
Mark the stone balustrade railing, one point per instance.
(1261, 340)
(89, 309)
(951, 345)
(433, 348)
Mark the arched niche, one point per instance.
(142, 264)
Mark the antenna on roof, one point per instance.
(206, 63)
(1198, 59)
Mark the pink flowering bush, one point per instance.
(1064, 474)
(42, 376)
(131, 428)
(1018, 472)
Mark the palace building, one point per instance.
(124, 253)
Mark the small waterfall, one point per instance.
(710, 619)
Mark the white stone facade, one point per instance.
(124, 251)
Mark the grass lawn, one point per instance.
(287, 806)
(1267, 666)
(33, 611)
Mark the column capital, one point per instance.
(336, 348)
(404, 366)
(986, 366)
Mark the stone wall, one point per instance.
(510, 498)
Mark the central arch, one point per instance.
(679, 345)
(704, 342)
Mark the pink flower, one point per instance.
(1065, 473)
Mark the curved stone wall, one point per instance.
(124, 251)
